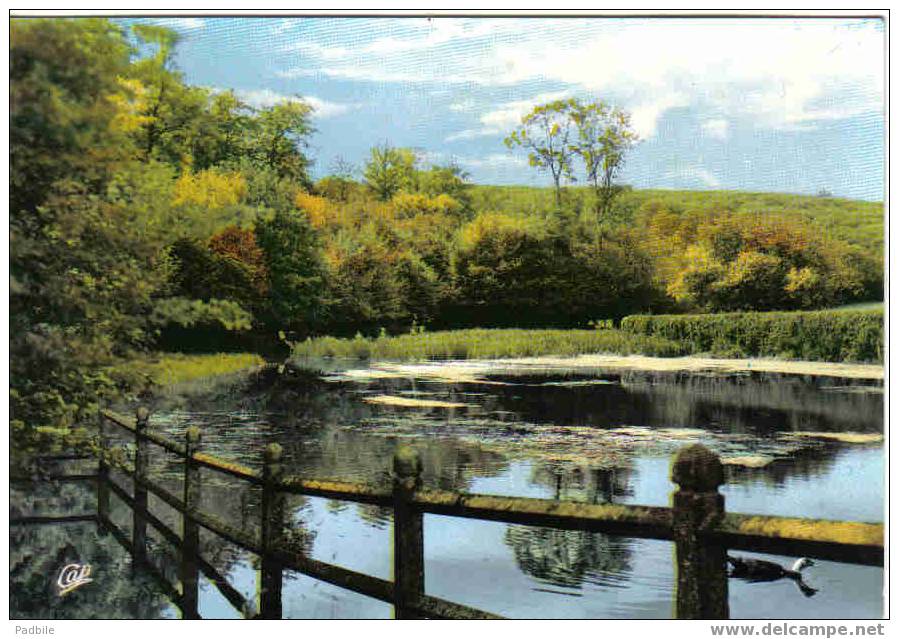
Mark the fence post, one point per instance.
(190, 532)
(408, 533)
(272, 528)
(701, 566)
(141, 466)
(102, 474)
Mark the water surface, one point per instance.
(591, 435)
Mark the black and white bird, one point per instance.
(761, 570)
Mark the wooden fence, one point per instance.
(697, 523)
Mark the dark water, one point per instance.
(587, 435)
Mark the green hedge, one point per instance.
(831, 336)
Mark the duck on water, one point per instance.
(760, 570)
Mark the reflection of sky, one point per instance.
(850, 488)
(750, 117)
(471, 561)
(475, 562)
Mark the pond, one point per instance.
(794, 445)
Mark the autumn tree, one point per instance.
(390, 170)
(239, 245)
(604, 136)
(512, 273)
(546, 134)
(766, 262)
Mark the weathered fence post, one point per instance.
(408, 534)
(272, 528)
(190, 532)
(102, 474)
(701, 566)
(141, 470)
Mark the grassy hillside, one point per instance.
(857, 222)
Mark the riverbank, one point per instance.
(480, 370)
(846, 336)
(161, 369)
(693, 364)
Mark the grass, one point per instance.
(861, 306)
(854, 221)
(150, 372)
(838, 335)
(166, 369)
(487, 344)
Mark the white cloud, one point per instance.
(780, 73)
(181, 24)
(420, 35)
(439, 31)
(316, 50)
(326, 109)
(501, 120)
(689, 175)
(493, 161)
(470, 134)
(263, 98)
(646, 112)
(716, 128)
(774, 71)
(500, 168)
(510, 113)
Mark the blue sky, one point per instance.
(786, 105)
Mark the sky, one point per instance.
(783, 105)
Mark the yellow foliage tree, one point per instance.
(409, 205)
(210, 189)
(317, 209)
(130, 103)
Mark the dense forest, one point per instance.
(145, 212)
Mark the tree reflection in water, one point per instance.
(570, 557)
(38, 553)
(527, 436)
(583, 483)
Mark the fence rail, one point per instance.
(696, 522)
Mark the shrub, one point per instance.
(767, 262)
(410, 204)
(833, 336)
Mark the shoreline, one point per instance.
(694, 364)
(461, 370)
